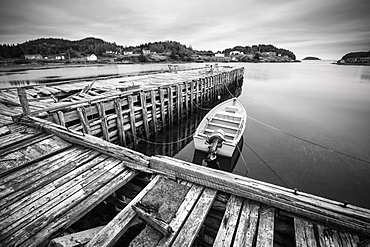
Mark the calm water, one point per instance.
(326, 105)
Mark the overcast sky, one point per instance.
(324, 28)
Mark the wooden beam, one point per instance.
(316, 208)
(120, 122)
(132, 119)
(88, 141)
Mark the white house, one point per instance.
(128, 52)
(233, 53)
(218, 54)
(92, 57)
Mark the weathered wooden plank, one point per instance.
(328, 212)
(154, 112)
(192, 96)
(163, 110)
(328, 237)
(179, 102)
(62, 121)
(304, 233)
(247, 227)
(265, 236)
(132, 119)
(75, 239)
(23, 100)
(119, 225)
(120, 122)
(170, 106)
(103, 118)
(186, 98)
(145, 114)
(229, 222)
(78, 209)
(4, 130)
(21, 182)
(89, 141)
(38, 150)
(182, 213)
(31, 219)
(84, 121)
(190, 229)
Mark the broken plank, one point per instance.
(247, 227)
(304, 233)
(190, 229)
(119, 225)
(265, 236)
(229, 222)
(182, 213)
(75, 239)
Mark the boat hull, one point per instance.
(230, 117)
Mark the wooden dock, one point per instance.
(59, 183)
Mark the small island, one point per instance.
(311, 58)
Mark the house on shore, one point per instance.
(33, 56)
(92, 57)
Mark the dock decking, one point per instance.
(51, 190)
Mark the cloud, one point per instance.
(330, 27)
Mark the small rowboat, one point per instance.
(221, 129)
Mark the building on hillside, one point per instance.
(145, 52)
(233, 53)
(218, 54)
(92, 57)
(54, 57)
(128, 52)
(33, 56)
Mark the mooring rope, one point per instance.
(302, 139)
(241, 155)
(264, 162)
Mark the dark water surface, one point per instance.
(328, 106)
(309, 125)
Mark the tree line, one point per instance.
(174, 49)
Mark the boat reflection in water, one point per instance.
(220, 163)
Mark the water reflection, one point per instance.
(220, 163)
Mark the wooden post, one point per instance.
(192, 96)
(103, 118)
(23, 100)
(145, 114)
(154, 111)
(163, 113)
(132, 119)
(84, 121)
(120, 124)
(170, 106)
(61, 119)
(186, 98)
(200, 92)
(179, 102)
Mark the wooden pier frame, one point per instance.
(128, 117)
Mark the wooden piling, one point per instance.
(23, 100)
(154, 111)
(145, 114)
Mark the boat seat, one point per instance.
(226, 115)
(223, 126)
(227, 135)
(227, 120)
